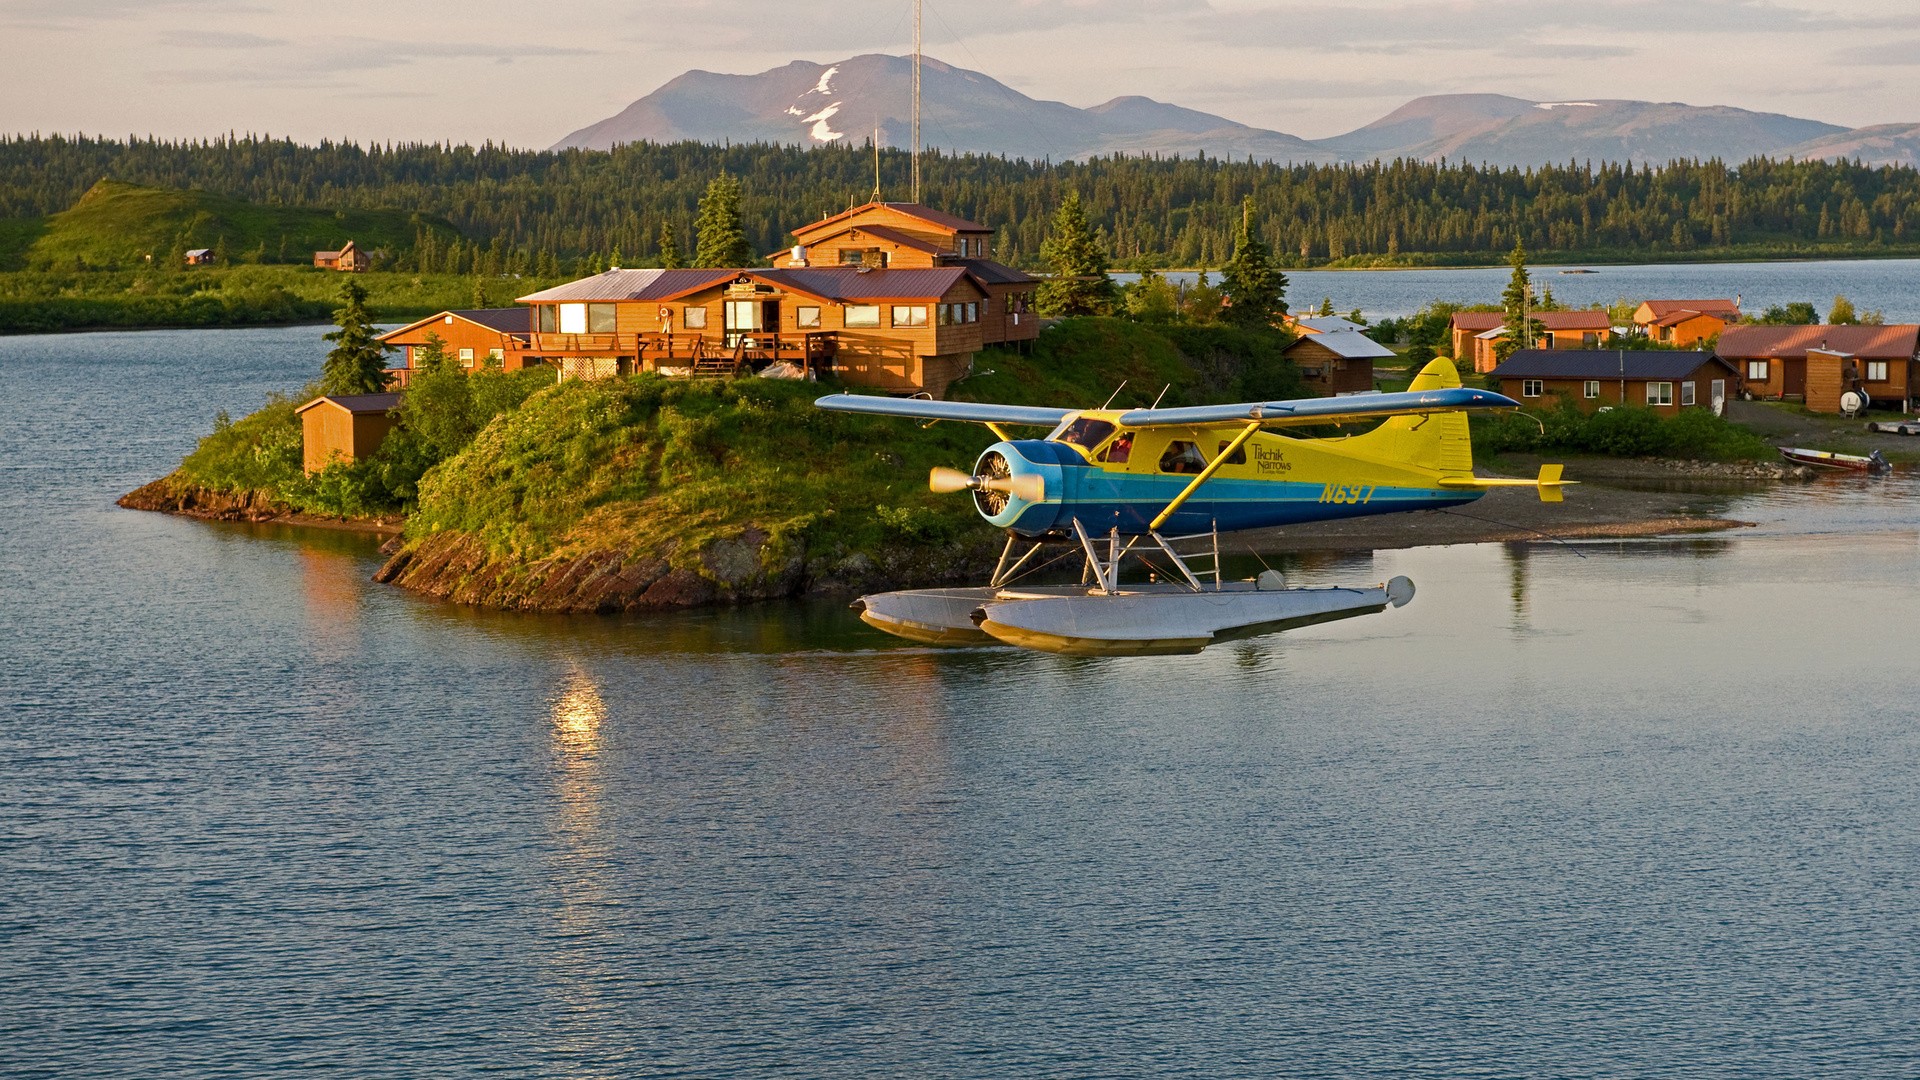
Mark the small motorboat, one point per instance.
(1827, 459)
(1579, 271)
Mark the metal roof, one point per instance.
(511, 320)
(199, 251)
(1867, 342)
(1604, 364)
(850, 283)
(993, 273)
(932, 217)
(630, 285)
(1659, 309)
(1552, 320)
(358, 404)
(1328, 324)
(1344, 344)
(1676, 317)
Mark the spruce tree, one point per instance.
(1256, 289)
(358, 363)
(670, 258)
(721, 240)
(1516, 302)
(1079, 284)
(432, 356)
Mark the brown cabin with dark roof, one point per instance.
(1665, 381)
(1339, 362)
(1816, 364)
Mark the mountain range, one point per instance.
(965, 111)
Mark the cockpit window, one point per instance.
(1119, 450)
(1182, 457)
(1085, 433)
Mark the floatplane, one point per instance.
(1159, 486)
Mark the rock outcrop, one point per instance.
(741, 569)
(171, 495)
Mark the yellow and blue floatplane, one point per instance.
(1149, 484)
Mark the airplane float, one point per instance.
(1139, 483)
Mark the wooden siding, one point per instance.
(1688, 332)
(1328, 373)
(458, 334)
(1615, 392)
(329, 433)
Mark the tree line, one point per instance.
(514, 206)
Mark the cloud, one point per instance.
(219, 39)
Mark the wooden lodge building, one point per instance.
(1475, 332)
(1817, 364)
(1591, 379)
(888, 295)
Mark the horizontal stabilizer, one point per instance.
(1548, 483)
(923, 409)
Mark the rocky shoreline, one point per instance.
(748, 568)
(170, 495)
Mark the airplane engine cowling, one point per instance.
(1008, 475)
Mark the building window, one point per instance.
(1589, 341)
(466, 357)
(806, 318)
(694, 318)
(1530, 387)
(852, 257)
(862, 315)
(495, 358)
(1686, 393)
(1876, 371)
(600, 318)
(904, 315)
(573, 318)
(1591, 389)
(547, 320)
(1756, 371)
(973, 311)
(1659, 393)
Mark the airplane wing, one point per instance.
(975, 412)
(1334, 410)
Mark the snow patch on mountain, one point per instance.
(824, 87)
(821, 131)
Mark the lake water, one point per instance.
(1890, 286)
(1595, 810)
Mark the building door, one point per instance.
(1793, 378)
(1719, 399)
(741, 318)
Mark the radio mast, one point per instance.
(916, 100)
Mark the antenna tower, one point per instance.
(916, 100)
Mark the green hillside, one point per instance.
(117, 225)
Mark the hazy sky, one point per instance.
(526, 74)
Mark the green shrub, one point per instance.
(1619, 432)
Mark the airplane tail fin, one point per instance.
(1436, 441)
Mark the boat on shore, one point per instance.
(1827, 459)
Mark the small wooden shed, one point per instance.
(344, 427)
(1336, 363)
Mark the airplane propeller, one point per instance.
(1028, 487)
